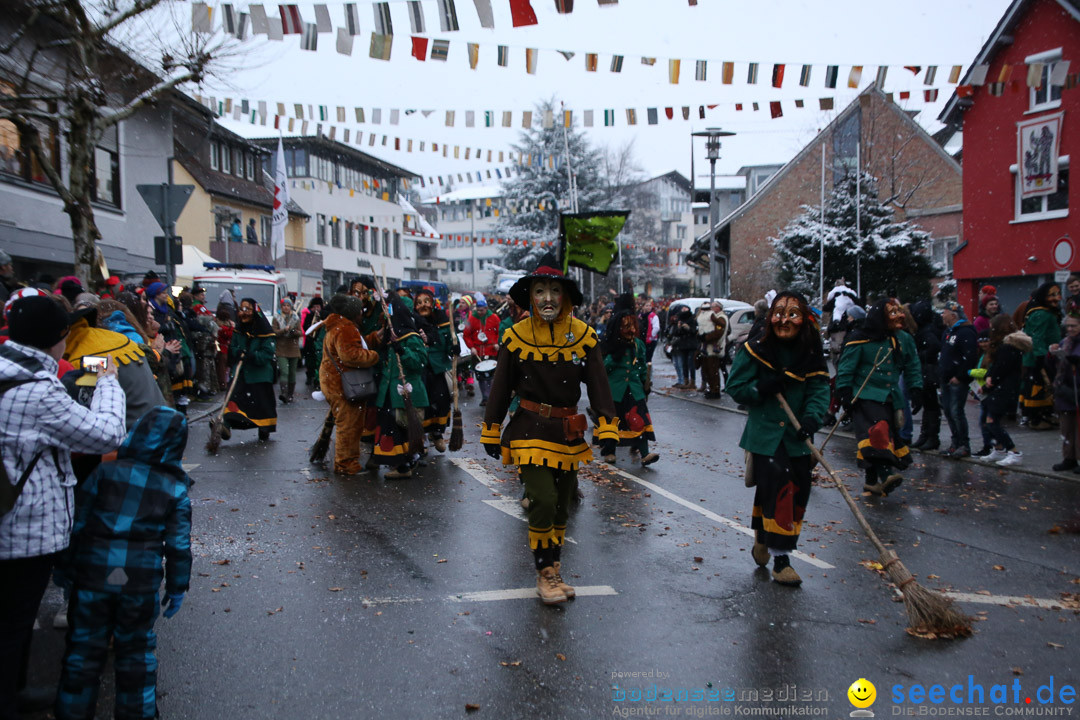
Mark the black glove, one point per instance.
(770, 385)
(807, 427)
(843, 397)
(493, 449)
(916, 403)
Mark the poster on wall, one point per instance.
(1038, 142)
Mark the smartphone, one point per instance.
(95, 363)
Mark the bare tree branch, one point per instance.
(108, 119)
(137, 8)
(29, 133)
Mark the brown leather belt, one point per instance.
(548, 411)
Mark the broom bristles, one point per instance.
(214, 441)
(457, 433)
(415, 428)
(930, 614)
(322, 443)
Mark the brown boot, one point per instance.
(547, 587)
(568, 590)
(760, 553)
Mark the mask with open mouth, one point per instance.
(547, 298)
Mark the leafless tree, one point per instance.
(67, 69)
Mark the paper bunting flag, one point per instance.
(474, 54)
(775, 110)
(777, 75)
(930, 95)
(201, 18)
(416, 17)
(376, 116)
(673, 71)
(650, 61)
(299, 110)
(568, 54)
(1060, 73)
(258, 19)
(651, 116)
(333, 130)
(804, 75)
(798, 103)
(291, 22)
(228, 19)
(954, 74)
(449, 118)
(686, 112)
(609, 118)
(470, 118)
(440, 49)
(274, 29)
(483, 11)
(568, 120)
(590, 62)
(526, 119)
(340, 114)
(448, 21)
(359, 115)
(503, 56)
(1005, 73)
(931, 75)
(522, 13)
(303, 127)
(380, 46)
(346, 134)
(587, 118)
(352, 19)
(395, 116)
(997, 89)
(855, 76)
(700, 69)
(228, 106)
(978, 75)
(507, 118)
(751, 74)
(754, 106)
(531, 55)
(383, 24)
(344, 41)
(701, 111)
(549, 120)
(669, 113)
(1035, 74)
(904, 95)
(727, 73)
(419, 48)
(309, 40)
(825, 103)
(631, 116)
(616, 63)
(964, 91)
(564, 7)
(831, 73)
(602, 3)
(322, 19)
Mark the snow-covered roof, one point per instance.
(725, 182)
(470, 193)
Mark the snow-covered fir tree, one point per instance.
(890, 256)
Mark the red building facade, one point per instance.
(1009, 241)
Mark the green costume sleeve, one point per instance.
(642, 366)
(742, 380)
(845, 369)
(264, 351)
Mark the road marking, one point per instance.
(1005, 600)
(502, 503)
(390, 601)
(733, 524)
(528, 593)
(188, 467)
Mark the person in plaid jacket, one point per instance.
(131, 514)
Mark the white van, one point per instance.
(261, 283)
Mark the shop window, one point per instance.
(1045, 207)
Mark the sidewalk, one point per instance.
(1041, 448)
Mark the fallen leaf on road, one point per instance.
(221, 562)
(471, 707)
(867, 622)
(515, 663)
(1017, 671)
(271, 612)
(560, 656)
(999, 567)
(699, 560)
(1058, 646)
(441, 561)
(336, 589)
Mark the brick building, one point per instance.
(1010, 238)
(918, 178)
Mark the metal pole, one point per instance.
(714, 268)
(619, 241)
(858, 219)
(571, 185)
(472, 240)
(821, 258)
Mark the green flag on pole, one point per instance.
(587, 240)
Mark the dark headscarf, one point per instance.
(1038, 299)
(401, 317)
(431, 324)
(258, 325)
(612, 343)
(876, 326)
(810, 357)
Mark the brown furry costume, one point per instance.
(343, 344)
(713, 331)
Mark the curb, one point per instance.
(840, 433)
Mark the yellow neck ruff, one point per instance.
(534, 339)
(85, 340)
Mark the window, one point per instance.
(349, 230)
(215, 156)
(397, 244)
(238, 163)
(106, 170)
(335, 232)
(374, 241)
(266, 222)
(14, 159)
(480, 264)
(1044, 97)
(386, 243)
(845, 143)
(680, 232)
(941, 253)
(320, 229)
(249, 166)
(1044, 207)
(362, 244)
(296, 162)
(226, 159)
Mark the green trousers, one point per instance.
(549, 492)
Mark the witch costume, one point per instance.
(252, 404)
(785, 358)
(628, 375)
(1042, 322)
(440, 351)
(545, 362)
(878, 355)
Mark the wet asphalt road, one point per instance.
(316, 597)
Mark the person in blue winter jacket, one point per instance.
(132, 529)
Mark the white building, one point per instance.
(471, 247)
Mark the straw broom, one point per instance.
(413, 425)
(930, 614)
(457, 431)
(217, 426)
(322, 444)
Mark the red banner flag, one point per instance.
(419, 48)
(522, 13)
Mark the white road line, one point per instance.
(528, 593)
(390, 601)
(503, 504)
(1005, 600)
(733, 524)
(188, 467)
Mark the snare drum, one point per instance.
(485, 369)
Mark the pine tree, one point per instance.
(889, 256)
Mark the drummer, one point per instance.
(482, 338)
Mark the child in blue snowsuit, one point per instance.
(131, 514)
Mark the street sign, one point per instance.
(1063, 253)
(165, 201)
(1061, 276)
(162, 256)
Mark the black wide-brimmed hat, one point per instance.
(548, 269)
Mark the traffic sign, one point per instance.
(168, 255)
(1061, 276)
(1063, 253)
(165, 201)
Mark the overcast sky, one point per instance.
(837, 32)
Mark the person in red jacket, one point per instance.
(482, 337)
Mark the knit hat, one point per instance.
(956, 308)
(19, 294)
(71, 288)
(155, 289)
(37, 321)
(988, 290)
(5, 259)
(86, 300)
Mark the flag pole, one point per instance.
(821, 258)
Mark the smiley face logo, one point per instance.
(862, 693)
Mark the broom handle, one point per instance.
(839, 485)
(877, 364)
(232, 386)
(454, 360)
(390, 328)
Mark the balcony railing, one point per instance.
(249, 254)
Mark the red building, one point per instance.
(1030, 64)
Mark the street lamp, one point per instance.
(712, 152)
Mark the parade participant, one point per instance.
(462, 307)
(712, 325)
(959, 354)
(650, 329)
(482, 338)
(8, 282)
(312, 348)
(345, 348)
(172, 329)
(929, 329)
(403, 354)
(514, 315)
(544, 359)
(287, 342)
(1002, 359)
(202, 338)
(874, 359)
(132, 529)
(785, 358)
(1041, 323)
(435, 324)
(252, 403)
(628, 376)
(988, 310)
